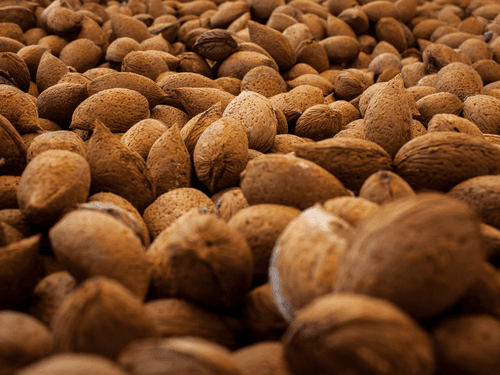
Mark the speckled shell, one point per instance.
(19, 109)
(256, 114)
(456, 157)
(459, 79)
(221, 154)
(15, 70)
(264, 80)
(288, 180)
(198, 99)
(118, 170)
(484, 111)
(131, 81)
(56, 140)
(58, 102)
(453, 123)
(169, 162)
(119, 109)
(441, 102)
(170, 206)
(388, 117)
(351, 160)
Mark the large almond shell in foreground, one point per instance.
(116, 169)
(420, 252)
(441, 160)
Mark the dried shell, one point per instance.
(455, 158)
(390, 129)
(452, 123)
(12, 150)
(221, 154)
(82, 54)
(58, 102)
(215, 45)
(195, 127)
(51, 184)
(215, 255)
(56, 140)
(50, 71)
(484, 111)
(385, 186)
(100, 317)
(143, 135)
(126, 26)
(24, 340)
(18, 14)
(439, 103)
(84, 241)
(144, 63)
(169, 162)
(170, 206)
(318, 122)
(126, 80)
(119, 109)
(240, 63)
(267, 180)
(256, 114)
(197, 100)
(19, 109)
(459, 79)
(351, 160)
(13, 68)
(446, 258)
(261, 225)
(169, 82)
(275, 43)
(129, 176)
(264, 80)
(359, 334)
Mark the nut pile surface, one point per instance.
(240, 187)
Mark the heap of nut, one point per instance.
(281, 187)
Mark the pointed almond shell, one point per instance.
(118, 170)
(274, 42)
(169, 162)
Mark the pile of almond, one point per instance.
(250, 187)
